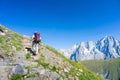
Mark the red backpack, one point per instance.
(37, 36)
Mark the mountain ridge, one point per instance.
(105, 48)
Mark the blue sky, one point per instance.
(62, 23)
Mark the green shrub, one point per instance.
(16, 77)
(45, 65)
(41, 62)
(55, 69)
(16, 34)
(58, 79)
(5, 47)
(17, 44)
(28, 56)
(0, 40)
(39, 50)
(18, 48)
(27, 67)
(32, 75)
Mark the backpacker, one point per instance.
(37, 37)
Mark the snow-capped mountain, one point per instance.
(105, 48)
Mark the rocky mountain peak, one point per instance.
(105, 48)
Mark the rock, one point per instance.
(4, 72)
(1, 53)
(34, 78)
(76, 78)
(42, 71)
(18, 69)
(33, 70)
(3, 63)
(2, 34)
(43, 77)
(54, 75)
(80, 70)
(14, 48)
(61, 78)
(66, 70)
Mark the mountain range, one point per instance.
(103, 49)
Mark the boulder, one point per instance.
(18, 69)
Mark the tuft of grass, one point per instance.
(38, 50)
(32, 75)
(5, 47)
(14, 38)
(18, 48)
(54, 69)
(28, 56)
(16, 77)
(42, 63)
(17, 43)
(28, 69)
(3, 39)
(58, 79)
(0, 40)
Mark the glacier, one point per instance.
(103, 49)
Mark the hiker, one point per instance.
(36, 40)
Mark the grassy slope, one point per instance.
(14, 39)
(101, 67)
(10, 39)
(86, 75)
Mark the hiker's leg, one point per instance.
(36, 48)
(33, 45)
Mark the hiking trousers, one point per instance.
(35, 46)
